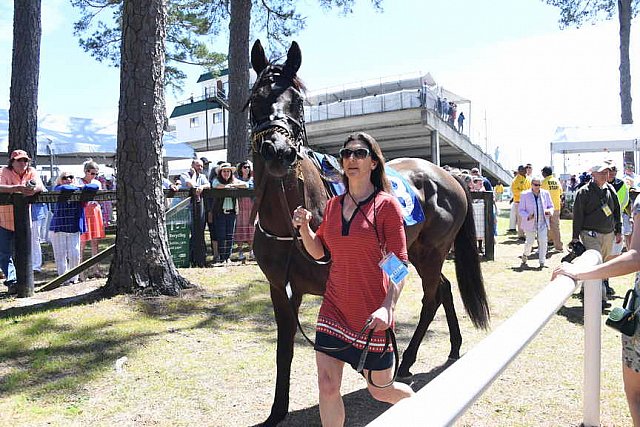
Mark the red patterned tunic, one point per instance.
(356, 286)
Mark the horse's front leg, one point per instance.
(286, 323)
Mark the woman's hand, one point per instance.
(300, 217)
(381, 319)
(565, 269)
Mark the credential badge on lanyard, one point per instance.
(390, 263)
(395, 269)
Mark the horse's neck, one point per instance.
(273, 216)
(303, 188)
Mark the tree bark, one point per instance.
(624, 15)
(142, 262)
(239, 23)
(25, 71)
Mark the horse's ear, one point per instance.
(258, 59)
(294, 59)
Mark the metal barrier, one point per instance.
(443, 400)
(489, 218)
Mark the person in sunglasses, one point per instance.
(535, 209)
(67, 224)
(93, 214)
(17, 177)
(359, 229)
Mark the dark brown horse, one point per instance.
(285, 178)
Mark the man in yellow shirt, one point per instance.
(519, 184)
(552, 185)
(499, 189)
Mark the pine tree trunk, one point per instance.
(142, 262)
(240, 20)
(624, 15)
(25, 70)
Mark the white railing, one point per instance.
(448, 395)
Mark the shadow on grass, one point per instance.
(88, 298)
(574, 315)
(361, 409)
(247, 303)
(45, 359)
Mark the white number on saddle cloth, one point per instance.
(395, 269)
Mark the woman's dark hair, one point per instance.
(378, 175)
(222, 179)
(241, 166)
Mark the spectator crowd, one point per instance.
(67, 227)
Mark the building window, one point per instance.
(194, 122)
(217, 117)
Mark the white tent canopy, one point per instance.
(71, 140)
(594, 139)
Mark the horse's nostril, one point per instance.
(268, 150)
(289, 155)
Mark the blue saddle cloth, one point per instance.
(331, 171)
(411, 208)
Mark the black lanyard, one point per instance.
(375, 219)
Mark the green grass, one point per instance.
(208, 358)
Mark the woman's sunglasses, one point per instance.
(358, 153)
(67, 177)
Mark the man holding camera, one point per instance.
(596, 214)
(17, 177)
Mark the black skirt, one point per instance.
(351, 355)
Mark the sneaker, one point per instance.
(12, 286)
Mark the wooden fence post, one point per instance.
(198, 248)
(23, 258)
(489, 229)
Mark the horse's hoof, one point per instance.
(453, 357)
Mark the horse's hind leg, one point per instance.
(430, 303)
(285, 320)
(455, 337)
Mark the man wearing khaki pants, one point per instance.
(596, 214)
(552, 185)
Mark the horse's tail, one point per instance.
(468, 270)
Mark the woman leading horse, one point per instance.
(285, 178)
(360, 229)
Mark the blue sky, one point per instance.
(509, 57)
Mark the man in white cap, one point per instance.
(596, 214)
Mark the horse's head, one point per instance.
(276, 108)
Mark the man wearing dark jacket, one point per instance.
(596, 214)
